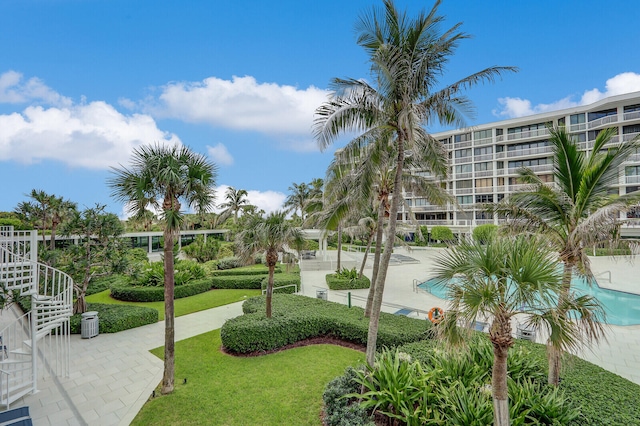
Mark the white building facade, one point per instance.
(484, 159)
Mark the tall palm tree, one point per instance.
(236, 201)
(575, 213)
(507, 277)
(163, 176)
(46, 211)
(298, 198)
(269, 235)
(407, 56)
(59, 211)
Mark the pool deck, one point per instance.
(113, 375)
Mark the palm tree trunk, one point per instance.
(554, 353)
(271, 259)
(499, 386)
(169, 320)
(376, 260)
(52, 243)
(366, 252)
(372, 336)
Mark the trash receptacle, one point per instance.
(322, 294)
(89, 325)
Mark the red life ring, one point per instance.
(436, 315)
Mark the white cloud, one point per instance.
(14, 90)
(241, 104)
(269, 201)
(93, 135)
(220, 154)
(627, 82)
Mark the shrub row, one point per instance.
(297, 318)
(250, 270)
(129, 293)
(115, 318)
(336, 283)
(283, 279)
(237, 281)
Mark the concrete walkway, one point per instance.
(113, 375)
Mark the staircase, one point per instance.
(38, 342)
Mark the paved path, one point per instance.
(113, 375)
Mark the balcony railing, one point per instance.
(538, 168)
(465, 175)
(484, 157)
(634, 115)
(462, 160)
(602, 121)
(464, 144)
(480, 173)
(577, 127)
(629, 136)
(529, 134)
(633, 158)
(632, 179)
(484, 141)
(530, 151)
(499, 138)
(484, 190)
(462, 191)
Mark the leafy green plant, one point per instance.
(484, 233)
(115, 318)
(202, 250)
(341, 410)
(347, 279)
(441, 233)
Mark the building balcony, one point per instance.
(459, 145)
(633, 158)
(485, 141)
(485, 190)
(602, 121)
(535, 169)
(485, 157)
(462, 160)
(630, 180)
(481, 173)
(465, 175)
(634, 115)
(577, 127)
(429, 208)
(529, 152)
(527, 135)
(463, 191)
(629, 136)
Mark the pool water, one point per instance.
(622, 308)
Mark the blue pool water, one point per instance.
(621, 308)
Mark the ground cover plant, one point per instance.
(422, 383)
(184, 306)
(276, 389)
(347, 279)
(297, 318)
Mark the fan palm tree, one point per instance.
(497, 281)
(407, 58)
(575, 213)
(269, 235)
(162, 177)
(298, 198)
(236, 201)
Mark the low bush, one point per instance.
(297, 318)
(246, 270)
(228, 262)
(127, 292)
(283, 279)
(115, 318)
(237, 281)
(347, 280)
(101, 284)
(340, 411)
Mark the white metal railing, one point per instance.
(577, 127)
(483, 141)
(464, 175)
(633, 158)
(528, 134)
(632, 179)
(629, 136)
(530, 151)
(462, 160)
(460, 191)
(538, 168)
(51, 308)
(464, 144)
(484, 190)
(602, 121)
(483, 157)
(634, 115)
(481, 173)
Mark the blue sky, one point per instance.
(83, 82)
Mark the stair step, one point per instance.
(20, 352)
(14, 361)
(17, 392)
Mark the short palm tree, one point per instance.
(270, 235)
(497, 281)
(577, 211)
(163, 176)
(407, 56)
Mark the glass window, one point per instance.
(464, 199)
(604, 113)
(461, 153)
(483, 166)
(634, 128)
(484, 183)
(462, 138)
(464, 168)
(485, 150)
(577, 119)
(482, 134)
(464, 184)
(632, 108)
(632, 171)
(484, 198)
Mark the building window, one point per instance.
(482, 134)
(462, 138)
(464, 168)
(485, 150)
(632, 108)
(527, 128)
(632, 171)
(634, 128)
(484, 183)
(484, 198)
(461, 153)
(577, 119)
(464, 199)
(528, 163)
(484, 215)
(483, 166)
(604, 113)
(464, 184)
(528, 145)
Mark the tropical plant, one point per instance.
(407, 58)
(202, 250)
(236, 201)
(99, 250)
(484, 233)
(46, 211)
(270, 236)
(441, 233)
(577, 211)
(297, 199)
(161, 177)
(496, 281)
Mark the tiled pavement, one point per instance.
(113, 375)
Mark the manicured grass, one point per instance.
(186, 305)
(283, 388)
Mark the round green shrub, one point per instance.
(336, 282)
(115, 318)
(130, 293)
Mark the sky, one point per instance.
(85, 82)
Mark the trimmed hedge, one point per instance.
(336, 283)
(248, 270)
(129, 293)
(115, 318)
(297, 318)
(237, 281)
(282, 280)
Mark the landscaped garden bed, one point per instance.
(347, 279)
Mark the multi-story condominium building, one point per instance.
(484, 159)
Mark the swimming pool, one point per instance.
(622, 308)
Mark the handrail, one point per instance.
(264, 290)
(603, 273)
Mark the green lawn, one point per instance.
(284, 388)
(186, 305)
